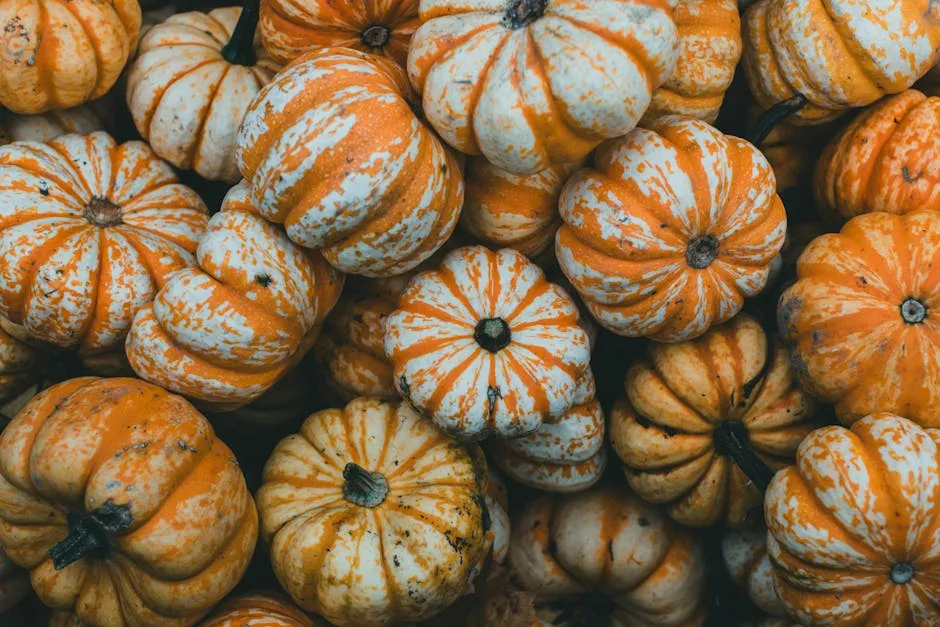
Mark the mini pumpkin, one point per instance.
(373, 515)
(89, 231)
(334, 152)
(57, 54)
(671, 230)
(745, 555)
(860, 319)
(532, 83)
(257, 610)
(290, 28)
(485, 345)
(42, 128)
(607, 556)
(852, 526)
(122, 503)
(14, 583)
(227, 330)
(703, 420)
(188, 91)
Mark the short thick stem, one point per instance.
(102, 213)
(89, 534)
(240, 48)
(492, 334)
(702, 251)
(773, 116)
(902, 573)
(913, 311)
(362, 487)
(521, 13)
(376, 36)
(731, 439)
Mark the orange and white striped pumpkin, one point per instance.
(334, 152)
(259, 610)
(189, 89)
(46, 126)
(853, 526)
(14, 583)
(533, 83)
(745, 556)
(227, 330)
(376, 504)
(485, 345)
(671, 230)
(89, 231)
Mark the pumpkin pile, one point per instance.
(469, 313)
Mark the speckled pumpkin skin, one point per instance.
(838, 54)
(631, 221)
(14, 583)
(57, 54)
(46, 126)
(408, 557)
(225, 331)
(745, 555)
(857, 504)
(533, 92)
(290, 28)
(607, 542)
(844, 324)
(334, 152)
(259, 610)
(89, 231)
(88, 442)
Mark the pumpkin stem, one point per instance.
(521, 13)
(240, 48)
(492, 334)
(773, 116)
(913, 311)
(376, 36)
(902, 572)
(88, 534)
(364, 488)
(102, 213)
(702, 251)
(731, 440)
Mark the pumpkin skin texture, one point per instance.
(683, 401)
(142, 471)
(57, 54)
(14, 583)
(845, 319)
(837, 54)
(485, 345)
(47, 126)
(851, 525)
(187, 99)
(227, 330)
(536, 83)
(373, 515)
(259, 610)
(606, 542)
(89, 231)
(290, 28)
(745, 555)
(334, 152)
(671, 230)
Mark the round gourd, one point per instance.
(14, 583)
(89, 231)
(745, 555)
(122, 503)
(603, 557)
(225, 331)
(57, 54)
(534, 83)
(859, 321)
(47, 126)
(259, 610)
(671, 230)
(852, 526)
(290, 28)
(194, 77)
(373, 515)
(702, 421)
(485, 345)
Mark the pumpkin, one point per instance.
(838, 54)
(709, 40)
(42, 128)
(89, 230)
(122, 503)
(485, 345)
(188, 90)
(227, 330)
(566, 455)
(703, 419)
(745, 555)
(604, 557)
(57, 54)
(852, 525)
(859, 320)
(290, 28)
(14, 584)
(532, 83)
(267, 610)
(671, 230)
(373, 515)
(21, 365)
(334, 152)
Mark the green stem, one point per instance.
(773, 116)
(240, 49)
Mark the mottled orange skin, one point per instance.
(193, 524)
(259, 610)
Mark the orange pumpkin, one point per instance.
(42, 128)
(859, 321)
(259, 610)
(745, 556)
(89, 231)
(671, 230)
(290, 28)
(122, 503)
(334, 152)
(56, 54)
(853, 526)
(14, 583)
(227, 330)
